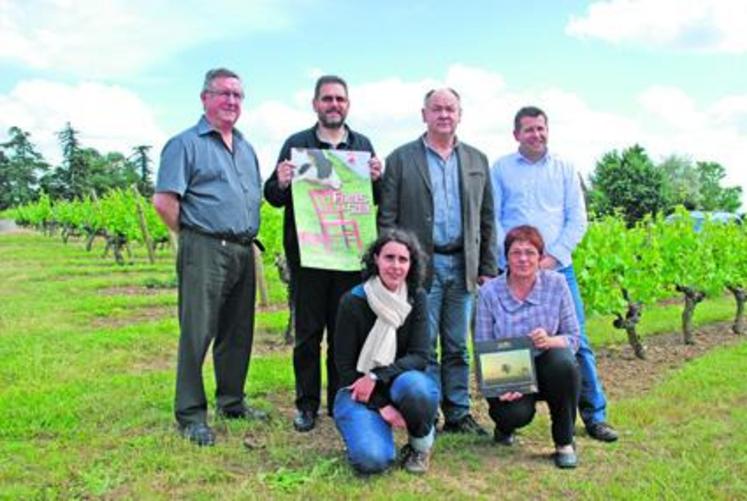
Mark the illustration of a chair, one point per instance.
(330, 211)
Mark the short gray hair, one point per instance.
(447, 89)
(217, 73)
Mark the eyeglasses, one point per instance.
(441, 109)
(523, 253)
(226, 94)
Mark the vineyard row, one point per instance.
(620, 269)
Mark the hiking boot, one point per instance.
(565, 460)
(415, 462)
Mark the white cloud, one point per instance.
(388, 112)
(673, 106)
(731, 112)
(666, 120)
(713, 132)
(699, 25)
(94, 38)
(109, 118)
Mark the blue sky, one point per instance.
(667, 74)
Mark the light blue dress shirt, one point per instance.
(447, 197)
(546, 194)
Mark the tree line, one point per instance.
(25, 175)
(631, 184)
(627, 182)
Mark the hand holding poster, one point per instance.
(333, 207)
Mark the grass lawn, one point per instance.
(87, 351)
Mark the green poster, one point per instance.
(333, 206)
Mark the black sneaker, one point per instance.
(507, 439)
(244, 412)
(465, 425)
(602, 432)
(198, 433)
(565, 460)
(304, 421)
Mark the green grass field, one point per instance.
(87, 356)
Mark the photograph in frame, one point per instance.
(505, 365)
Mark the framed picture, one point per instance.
(505, 365)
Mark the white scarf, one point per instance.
(391, 309)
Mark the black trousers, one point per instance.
(216, 302)
(559, 385)
(316, 295)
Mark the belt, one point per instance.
(448, 249)
(244, 239)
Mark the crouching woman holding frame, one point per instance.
(528, 301)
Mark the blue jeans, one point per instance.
(449, 306)
(592, 403)
(369, 440)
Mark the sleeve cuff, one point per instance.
(561, 255)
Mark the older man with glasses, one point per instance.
(208, 191)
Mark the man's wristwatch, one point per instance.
(373, 376)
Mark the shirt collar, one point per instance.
(427, 146)
(522, 159)
(510, 303)
(345, 139)
(204, 127)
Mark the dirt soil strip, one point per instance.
(9, 226)
(624, 375)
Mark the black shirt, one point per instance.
(355, 318)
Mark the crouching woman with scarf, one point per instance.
(381, 351)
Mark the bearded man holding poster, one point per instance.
(316, 291)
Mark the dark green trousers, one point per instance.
(216, 304)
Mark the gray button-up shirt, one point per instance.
(447, 197)
(220, 189)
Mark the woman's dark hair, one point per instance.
(524, 233)
(416, 275)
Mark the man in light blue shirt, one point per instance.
(533, 186)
